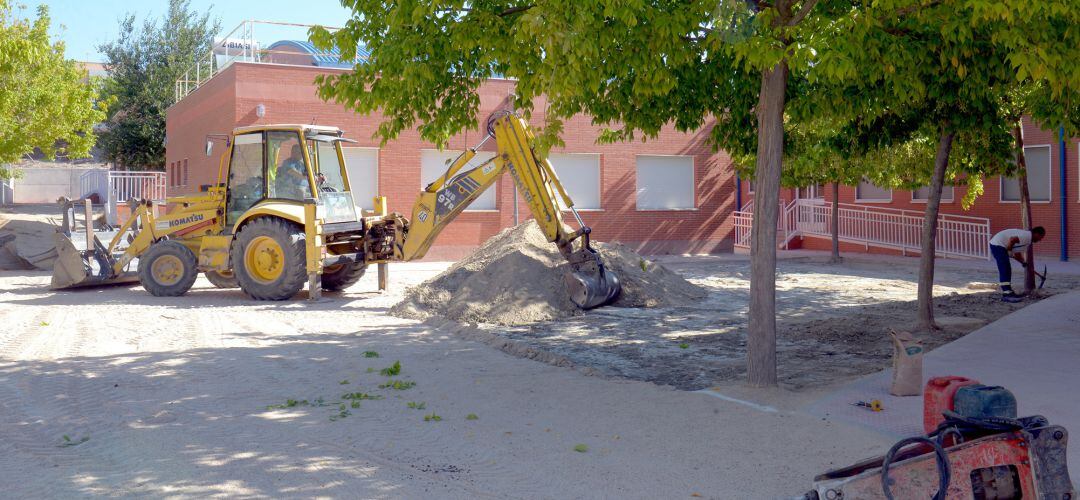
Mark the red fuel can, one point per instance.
(938, 397)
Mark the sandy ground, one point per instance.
(169, 398)
(833, 321)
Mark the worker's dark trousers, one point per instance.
(1001, 256)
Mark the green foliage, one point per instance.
(357, 396)
(398, 385)
(144, 63)
(391, 370)
(432, 418)
(472, 416)
(684, 345)
(581, 448)
(416, 406)
(344, 382)
(67, 441)
(46, 101)
(371, 354)
(289, 403)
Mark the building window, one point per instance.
(185, 172)
(1038, 177)
(580, 176)
(665, 182)
(363, 167)
(866, 191)
(434, 163)
(922, 195)
(171, 173)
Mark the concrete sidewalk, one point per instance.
(1033, 352)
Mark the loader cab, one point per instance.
(288, 164)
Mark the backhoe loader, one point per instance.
(282, 213)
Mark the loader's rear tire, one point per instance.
(222, 279)
(167, 269)
(269, 259)
(342, 276)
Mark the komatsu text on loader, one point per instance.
(281, 214)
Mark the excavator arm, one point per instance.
(588, 283)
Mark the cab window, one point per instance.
(328, 169)
(286, 168)
(246, 186)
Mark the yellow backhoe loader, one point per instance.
(282, 213)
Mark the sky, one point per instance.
(85, 24)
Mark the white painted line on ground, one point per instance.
(755, 406)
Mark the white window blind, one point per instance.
(580, 176)
(923, 194)
(867, 191)
(1038, 176)
(665, 182)
(363, 167)
(434, 163)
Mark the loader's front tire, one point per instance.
(342, 276)
(167, 269)
(223, 279)
(269, 259)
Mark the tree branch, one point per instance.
(807, 6)
(514, 10)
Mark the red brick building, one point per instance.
(672, 194)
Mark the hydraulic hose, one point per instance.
(942, 465)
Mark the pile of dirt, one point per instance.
(516, 278)
(26, 244)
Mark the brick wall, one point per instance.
(287, 94)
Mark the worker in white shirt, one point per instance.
(1014, 243)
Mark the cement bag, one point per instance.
(907, 364)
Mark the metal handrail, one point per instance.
(207, 65)
(957, 235)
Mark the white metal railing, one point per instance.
(957, 235)
(128, 185)
(785, 226)
(94, 181)
(239, 45)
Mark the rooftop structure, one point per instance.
(243, 44)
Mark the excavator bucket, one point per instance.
(69, 269)
(589, 290)
(81, 259)
(75, 268)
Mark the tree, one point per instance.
(631, 66)
(1033, 99)
(46, 101)
(952, 61)
(143, 65)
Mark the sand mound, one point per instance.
(26, 244)
(516, 277)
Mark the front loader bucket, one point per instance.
(592, 289)
(76, 268)
(69, 268)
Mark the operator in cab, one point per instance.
(291, 180)
(1014, 243)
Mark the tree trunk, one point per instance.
(835, 223)
(761, 339)
(1025, 207)
(929, 232)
